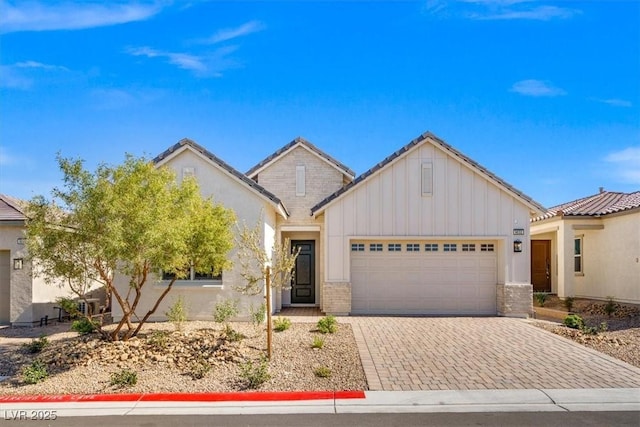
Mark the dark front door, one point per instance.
(541, 265)
(303, 281)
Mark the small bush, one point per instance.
(574, 321)
(322, 372)
(37, 345)
(604, 327)
(568, 303)
(258, 314)
(232, 335)
(199, 369)
(35, 372)
(177, 313)
(327, 325)
(124, 378)
(225, 310)
(159, 339)
(540, 298)
(70, 306)
(281, 324)
(84, 326)
(610, 307)
(318, 342)
(255, 374)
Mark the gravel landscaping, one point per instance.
(201, 357)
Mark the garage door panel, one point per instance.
(424, 283)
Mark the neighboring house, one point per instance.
(589, 248)
(24, 300)
(425, 231)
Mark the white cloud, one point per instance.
(626, 164)
(232, 33)
(499, 9)
(208, 65)
(536, 88)
(117, 98)
(20, 75)
(34, 64)
(615, 102)
(56, 15)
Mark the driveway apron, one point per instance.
(463, 353)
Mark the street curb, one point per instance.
(249, 396)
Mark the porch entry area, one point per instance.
(541, 265)
(303, 279)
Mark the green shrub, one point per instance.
(232, 335)
(610, 307)
(199, 369)
(255, 374)
(36, 345)
(327, 325)
(568, 303)
(84, 326)
(604, 327)
(540, 298)
(281, 324)
(258, 314)
(225, 310)
(35, 372)
(318, 342)
(159, 339)
(177, 313)
(574, 321)
(322, 372)
(124, 378)
(70, 306)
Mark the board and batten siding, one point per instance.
(463, 203)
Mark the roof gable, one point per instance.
(186, 143)
(428, 137)
(300, 142)
(603, 203)
(11, 209)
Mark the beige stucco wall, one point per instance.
(464, 204)
(611, 256)
(249, 207)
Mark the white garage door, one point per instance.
(456, 278)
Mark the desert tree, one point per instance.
(126, 224)
(263, 270)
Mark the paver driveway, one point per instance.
(461, 353)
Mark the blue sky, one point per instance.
(546, 94)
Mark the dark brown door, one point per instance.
(303, 286)
(541, 265)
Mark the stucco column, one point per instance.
(565, 260)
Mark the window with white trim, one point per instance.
(375, 247)
(357, 247)
(468, 247)
(394, 247)
(486, 247)
(300, 181)
(431, 247)
(577, 255)
(413, 247)
(194, 275)
(450, 247)
(427, 179)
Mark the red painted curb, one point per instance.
(250, 396)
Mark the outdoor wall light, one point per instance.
(517, 245)
(17, 264)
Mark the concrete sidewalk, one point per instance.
(532, 400)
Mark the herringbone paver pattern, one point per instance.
(462, 353)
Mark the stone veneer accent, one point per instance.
(515, 300)
(336, 298)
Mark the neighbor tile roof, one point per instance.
(239, 175)
(603, 203)
(409, 146)
(11, 209)
(310, 146)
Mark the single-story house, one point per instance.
(425, 231)
(589, 248)
(24, 300)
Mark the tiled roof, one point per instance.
(603, 203)
(11, 209)
(409, 146)
(299, 140)
(235, 173)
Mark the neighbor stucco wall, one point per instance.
(20, 288)
(463, 204)
(249, 207)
